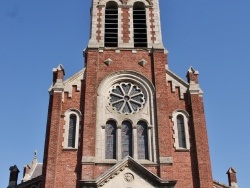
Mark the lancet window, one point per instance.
(181, 130)
(72, 131)
(142, 140)
(126, 139)
(111, 24)
(140, 25)
(110, 130)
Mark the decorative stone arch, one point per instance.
(185, 116)
(67, 114)
(103, 2)
(141, 119)
(129, 120)
(112, 119)
(105, 111)
(146, 2)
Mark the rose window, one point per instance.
(126, 98)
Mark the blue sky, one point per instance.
(210, 35)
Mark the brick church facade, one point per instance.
(125, 120)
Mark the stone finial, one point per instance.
(58, 76)
(192, 75)
(13, 176)
(35, 157)
(58, 73)
(232, 177)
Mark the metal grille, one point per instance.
(181, 131)
(72, 131)
(140, 26)
(142, 140)
(110, 140)
(111, 25)
(126, 139)
(126, 98)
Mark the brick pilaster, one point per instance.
(201, 167)
(88, 138)
(52, 130)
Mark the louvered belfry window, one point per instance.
(142, 140)
(72, 131)
(126, 139)
(111, 24)
(110, 151)
(140, 26)
(181, 132)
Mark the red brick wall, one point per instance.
(189, 168)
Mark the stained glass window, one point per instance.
(126, 98)
(181, 131)
(126, 139)
(72, 131)
(142, 140)
(110, 140)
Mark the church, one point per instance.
(125, 120)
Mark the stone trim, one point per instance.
(75, 80)
(166, 160)
(175, 129)
(105, 113)
(128, 166)
(177, 82)
(66, 128)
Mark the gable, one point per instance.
(75, 80)
(176, 82)
(127, 174)
(128, 178)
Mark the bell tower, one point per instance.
(125, 24)
(126, 118)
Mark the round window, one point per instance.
(126, 98)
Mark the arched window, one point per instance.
(111, 24)
(126, 139)
(181, 131)
(71, 129)
(140, 26)
(110, 151)
(142, 140)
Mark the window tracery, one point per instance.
(126, 98)
(114, 92)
